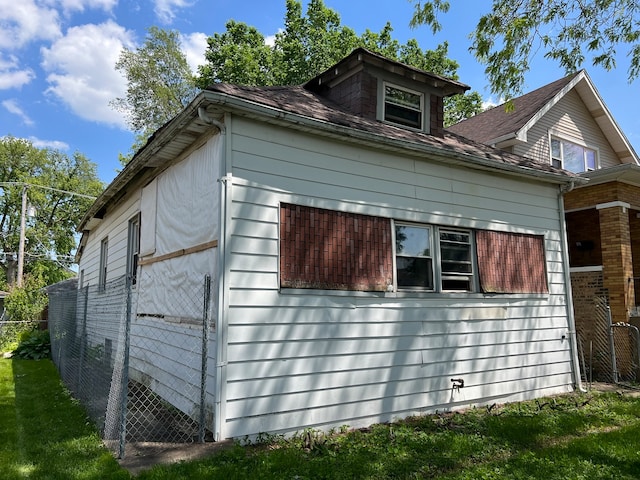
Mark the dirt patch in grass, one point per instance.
(140, 456)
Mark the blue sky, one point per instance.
(57, 61)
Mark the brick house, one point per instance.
(566, 124)
(366, 263)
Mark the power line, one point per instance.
(28, 185)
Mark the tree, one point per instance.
(159, 84)
(507, 38)
(239, 55)
(159, 81)
(311, 43)
(48, 176)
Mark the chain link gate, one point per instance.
(141, 378)
(614, 348)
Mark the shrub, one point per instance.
(34, 345)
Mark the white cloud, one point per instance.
(53, 144)
(24, 21)
(11, 76)
(165, 9)
(194, 45)
(271, 39)
(12, 106)
(82, 73)
(80, 5)
(491, 102)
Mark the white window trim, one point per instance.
(423, 116)
(563, 138)
(474, 260)
(436, 258)
(104, 262)
(135, 220)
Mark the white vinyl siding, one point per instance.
(321, 359)
(570, 120)
(115, 228)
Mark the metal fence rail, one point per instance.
(141, 377)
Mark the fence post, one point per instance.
(125, 369)
(83, 335)
(206, 320)
(612, 346)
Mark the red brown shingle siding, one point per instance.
(333, 250)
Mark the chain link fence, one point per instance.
(613, 349)
(141, 376)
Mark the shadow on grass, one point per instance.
(54, 438)
(578, 437)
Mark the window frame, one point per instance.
(555, 160)
(421, 109)
(472, 276)
(104, 256)
(432, 246)
(133, 248)
(438, 276)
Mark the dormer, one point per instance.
(374, 87)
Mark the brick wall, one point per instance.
(437, 116)
(634, 232)
(616, 260)
(583, 234)
(357, 94)
(590, 196)
(592, 328)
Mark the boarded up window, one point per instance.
(511, 263)
(333, 250)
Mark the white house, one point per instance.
(367, 264)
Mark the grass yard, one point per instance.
(44, 435)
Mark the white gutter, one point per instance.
(572, 334)
(222, 323)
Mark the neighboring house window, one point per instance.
(403, 106)
(419, 261)
(511, 262)
(102, 274)
(133, 248)
(333, 250)
(571, 156)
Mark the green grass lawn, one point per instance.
(45, 435)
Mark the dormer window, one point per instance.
(403, 107)
(571, 156)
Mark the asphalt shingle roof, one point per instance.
(497, 122)
(299, 100)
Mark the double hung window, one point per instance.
(434, 258)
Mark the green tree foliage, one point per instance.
(311, 43)
(507, 38)
(159, 81)
(239, 55)
(25, 304)
(47, 175)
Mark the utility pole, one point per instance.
(23, 227)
